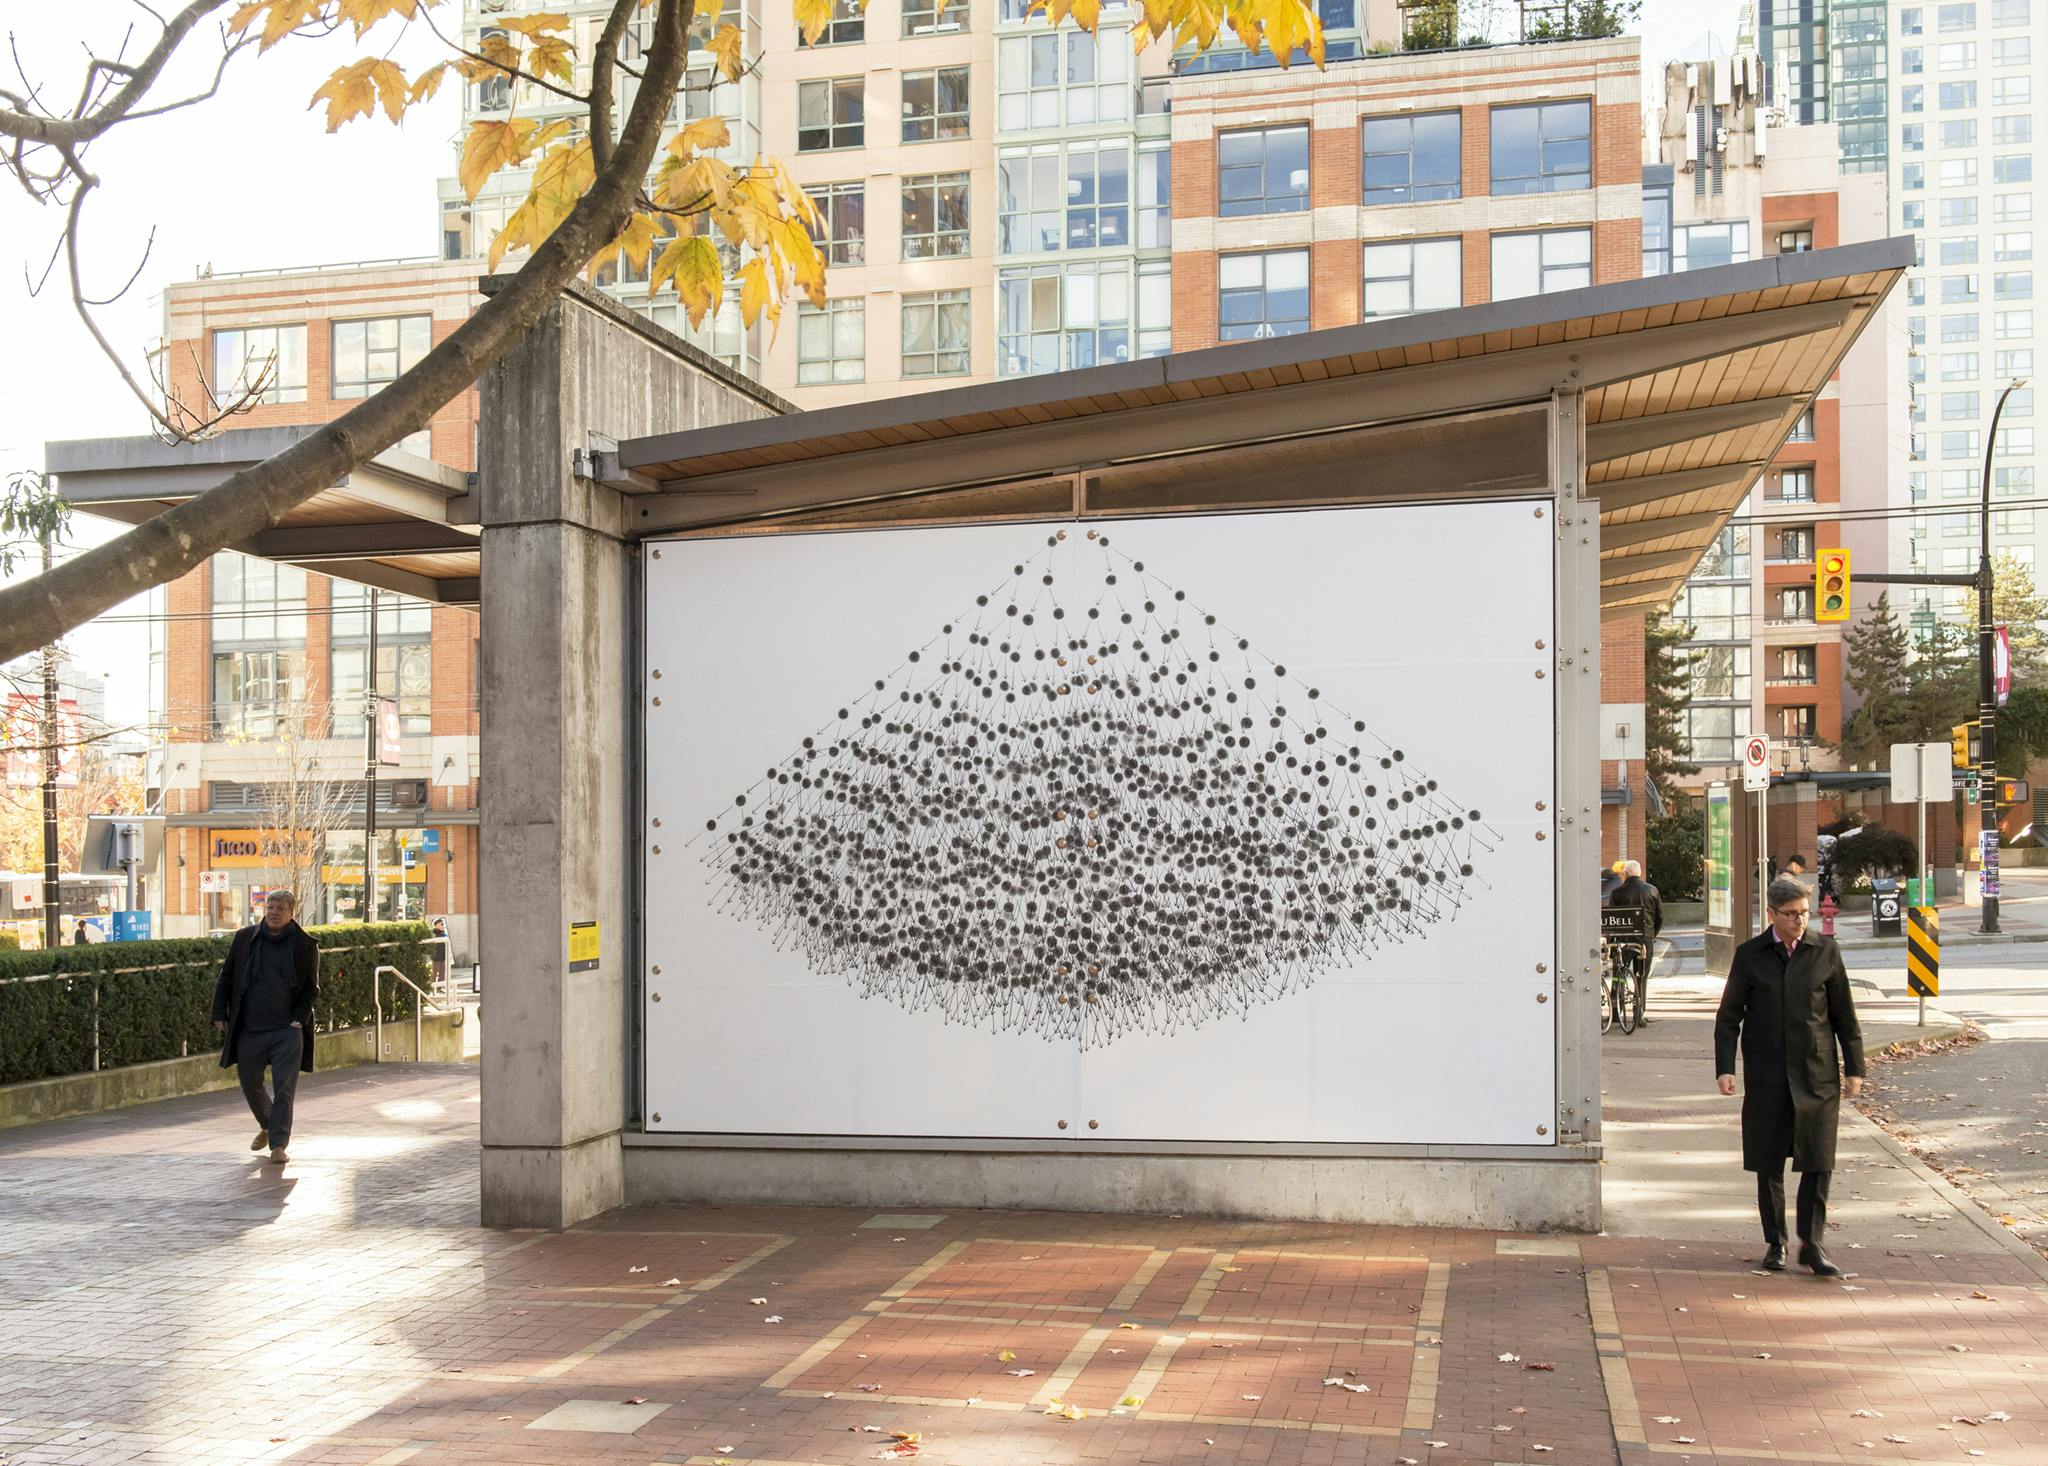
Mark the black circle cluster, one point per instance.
(1085, 813)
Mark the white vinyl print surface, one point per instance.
(1217, 828)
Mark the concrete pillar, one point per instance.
(559, 641)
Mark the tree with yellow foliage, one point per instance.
(607, 182)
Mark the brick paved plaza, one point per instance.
(163, 1298)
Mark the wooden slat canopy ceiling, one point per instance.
(1691, 383)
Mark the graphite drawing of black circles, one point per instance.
(1087, 807)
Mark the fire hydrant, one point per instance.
(1827, 915)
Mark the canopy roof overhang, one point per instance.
(1691, 382)
(399, 522)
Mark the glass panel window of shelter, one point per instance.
(938, 332)
(1155, 195)
(1546, 147)
(1541, 263)
(1055, 317)
(831, 114)
(935, 17)
(1702, 246)
(1063, 78)
(262, 363)
(370, 354)
(1263, 294)
(934, 216)
(831, 344)
(847, 25)
(1262, 170)
(935, 104)
(1413, 275)
(844, 224)
(1412, 159)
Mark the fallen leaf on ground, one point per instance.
(636, 1269)
(1980, 1293)
(1866, 1414)
(1007, 1355)
(1684, 1440)
(1510, 1359)
(635, 1400)
(1897, 1440)
(1021, 1373)
(1131, 1402)
(1762, 1354)
(1959, 1348)
(673, 1283)
(1542, 1364)
(772, 1318)
(1251, 1397)
(757, 1302)
(1502, 1429)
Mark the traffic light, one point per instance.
(1831, 586)
(1960, 739)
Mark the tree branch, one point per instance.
(39, 610)
(70, 132)
(516, 73)
(601, 61)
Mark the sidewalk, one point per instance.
(164, 1299)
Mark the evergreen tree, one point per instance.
(1667, 692)
(1879, 654)
(2020, 609)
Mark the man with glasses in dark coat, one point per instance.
(1787, 1003)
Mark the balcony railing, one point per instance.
(1808, 680)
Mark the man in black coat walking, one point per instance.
(1787, 1001)
(263, 1002)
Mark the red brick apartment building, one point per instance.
(258, 666)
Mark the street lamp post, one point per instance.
(1987, 692)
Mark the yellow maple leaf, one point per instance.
(362, 14)
(1132, 1402)
(757, 292)
(725, 46)
(355, 90)
(699, 184)
(427, 83)
(533, 25)
(499, 49)
(552, 56)
(1288, 25)
(634, 244)
(489, 147)
(280, 19)
(1007, 1355)
(812, 16)
(693, 266)
(701, 136)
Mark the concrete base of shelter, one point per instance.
(551, 1186)
(135, 1084)
(1522, 1195)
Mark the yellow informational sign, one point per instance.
(1923, 951)
(583, 946)
(387, 875)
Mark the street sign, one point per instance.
(1923, 951)
(1988, 861)
(1756, 762)
(2001, 663)
(1921, 771)
(211, 881)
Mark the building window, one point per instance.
(832, 343)
(2010, 364)
(2008, 12)
(1155, 307)
(2020, 403)
(1794, 603)
(1957, 96)
(2011, 128)
(830, 114)
(257, 600)
(405, 660)
(1539, 264)
(1960, 483)
(1959, 56)
(1657, 228)
(1413, 159)
(1958, 328)
(2012, 482)
(1802, 428)
(1959, 250)
(1911, 62)
(2013, 285)
(1062, 78)
(1408, 276)
(2015, 51)
(2018, 246)
(934, 216)
(1913, 99)
(2016, 168)
(937, 332)
(1958, 172)
(370, 354)
(1545, 148)
(935, 104)
(1912, 177)
(1155, 196)
(1726, 558)
(273, 357)
(1262, 170)
(254, 690)
(2008, 523)
(1961, 444)
(1077, 197)
(1716, 612)
(1797, 666)
(2012, 208)
(2012, 91)
(1795, 724)
(1795, 486)
(2013, 325)
(1958, 17)
(1913, 216)
(1055, 317)
(1702, 246)
(1909, 21)
(844, 227)
(1794, 241)
(1913, 137)
(1795, 544)
(928, 18)
(1956, 213)
(1959, 290)
(2018, 442)
(1958, 366)
(847, 25)
(1262, 295)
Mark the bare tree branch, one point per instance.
(63, 132)
(516, 73)
(601, 62)
(38, 610)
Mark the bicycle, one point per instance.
(1617, 1002)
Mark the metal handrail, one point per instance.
(418, 1018)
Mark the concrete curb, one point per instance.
(1955, 1196)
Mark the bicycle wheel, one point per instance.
(1624, 1009)
(1606, 1006)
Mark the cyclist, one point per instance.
(1635, 891)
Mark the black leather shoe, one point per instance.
(1811, 1256)
(1774, 1258)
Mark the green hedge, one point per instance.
(166, 1010)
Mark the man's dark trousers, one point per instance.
(279, 1048)
(1813, 1205)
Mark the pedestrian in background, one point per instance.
(1635, 891)
(1795, 867)
(1787, 1002)
(263, 1003)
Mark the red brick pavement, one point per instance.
(165, 1298)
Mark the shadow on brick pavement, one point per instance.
(166, 1297)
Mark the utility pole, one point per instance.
(1987, 691)
(372, 709)
(53, 895)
